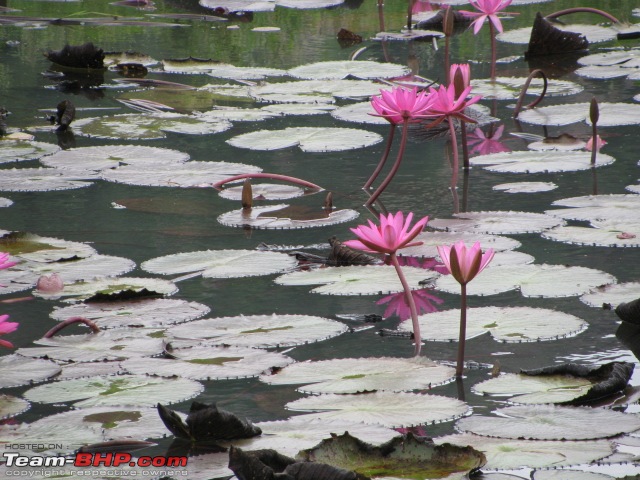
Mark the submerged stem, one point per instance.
(463, 330)
(396, 165)
(417, 338)
(384, 158)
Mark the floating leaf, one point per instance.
(431, 240)
(611, 114)
(18, 370)
(513, 454)
(547, 281)
(360, 112)
(38, 180)
(309, 139)
(22, 150)
(145, 313)
(337, 70)
(547, 389)
(220, 70)
(504, 324)
(611, 64)
(11, 406)
(5, 202)
(539, 162)
(621, 208)
(84, 370)
(593, 33)
(526, 187)
(549, 422)
(389, 409)
(357, 280)
(146, 126)
(260, 331)
(110, 156)
(314, 91)
(356, 375)
(509, 88)
(221, 263)
(131, 390)
(406, 457)
(605, 234)
(28, 246)
(506, 223)
(84, 269)
(612, 295)
(190, 174)
(264, 191)
(285, 217)
(209, 362)
(565, 474)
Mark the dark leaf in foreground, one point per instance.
(629, 311)
(548, 40)
(342, 255)
(173, 422)
(65, 114)
(348, 39)
(78, 56)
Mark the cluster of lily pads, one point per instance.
(150, 348)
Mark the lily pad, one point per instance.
(360, 112)
(497, 222)
(357, 280)
(549, 422)
(357, 375)
(538, 280)
(130, 390)
(431, 240)
(48, 439)
(11, 406)
(526, 187)
(620, 208)
(593, 33)
(209, 362)
(145, 313)
(337, 70)
(406, 457)
(389, 409)
(314, 91)
(85, 268)
(309, 139)
(260, 331)
(508, 88)
(504, 324)
(18, 370)
(190, 174)
(611, 64)
(284, 217)
(220, 70)
(72, 371)
(611, 114)
(605, 234)
(22, 150)
(264, 191)
(39, 180)
(539, 162)
(221, 263)
(147, 126)
(28, 246)
(611, 295)
(5, 202)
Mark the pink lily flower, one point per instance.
(487, 9)
(599, 143)
(50, 283)
(4, 261)
(446, 104)
(392, 234)
(400, 104)
(6, 327)
(464, 72)
(464, 264)
(485, 145)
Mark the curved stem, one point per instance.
(417, 338)
(273, 176)
(384, 158)
(463, 331)
(567, 11)
(492, 32)
(70, 321)
(396, 165)
(454, 148)
(524, 89)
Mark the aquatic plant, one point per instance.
(6, 327)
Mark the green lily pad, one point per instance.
(22, 150)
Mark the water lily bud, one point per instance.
(247, 195)
(50, 283)
(594, 111)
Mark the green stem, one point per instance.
(463, 331)
(396, 165)
(417, 338)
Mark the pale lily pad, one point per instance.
(337, 70)
(549, 422)
(18, 370)
(5, 202)
(605, 234)
(298, 109)
(611, 114)
(389, 409)
(221, 263)
(408, 35)
(22, 150)
(130, 390)
(114, 58)
(309, 139)
(38, 180)
(266, 29)
(111, 156)
(264, 191)
(146, 313)
(268, 5)
(112, 287)
(512, 454)
(497, 222)
(431, 240)
(219, 70)
(520, 388)
(621, 208)
(526, 187)
(11, 406)
(357, 280)
(237, 114)
(593, 33)
(260, 331)
(308, 4)
(357, 375)
(190, 174)
(508, 88)
(611, 295)
(504, 324)
(285, 217)
(290, 436)
(112, 345)
(85, 268)
(611, 64)
(539, 162)
(16, 280)
(566, 474)
(28, 246)
(47, 438)
(147, 127)
(360, 112)
(539, 280)
(209, 362)
(598, 72)
(314, 91)
(72, 371)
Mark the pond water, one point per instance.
(161, 221)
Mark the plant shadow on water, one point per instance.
(233, 298)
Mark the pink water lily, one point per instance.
(50, 283)
(447, 104)
(6, 327)
(391, 235)
(461, 71)
(400, 104)
(4, 261)
(599, 143)
(488, 9)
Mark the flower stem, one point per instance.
(70, 321)
(396, 165)
(384, 158)
(492, 32)
(417, 338)
(463, 331)
(273, 176)
(454, 149)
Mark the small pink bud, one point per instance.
(50, 283)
